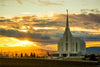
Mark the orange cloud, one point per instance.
(93, 44)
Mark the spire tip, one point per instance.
(67, 10)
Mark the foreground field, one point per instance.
(29, 62)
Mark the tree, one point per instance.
(85, 57)
(93, 57)
(26, 55)
(34, 55)
(37, 56)
(21, 55)
(48, 53)
(31, 55)
(16, 54)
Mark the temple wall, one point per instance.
(78, 49)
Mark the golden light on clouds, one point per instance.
(93, 44)
(39, 28)
(90, 31)
(13, 42)
(1, 26)
(45, 16)
(83, 29)
(51, 47)
(95, 33)
(10, 46)
(24, 30)
(23, 27)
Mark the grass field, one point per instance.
(29, 62)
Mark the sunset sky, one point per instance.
(43, 21)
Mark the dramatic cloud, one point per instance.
(48, 30)
(81, 20)
(36, 37)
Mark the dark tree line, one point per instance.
(31, 55)
(91, 57)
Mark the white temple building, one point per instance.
(70, 46)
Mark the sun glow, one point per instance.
(14, 47)
(25, 42)
(13, 42)
(24, 30)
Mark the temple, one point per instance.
(70, 46)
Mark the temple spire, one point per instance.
(67, 25)
(67, 35)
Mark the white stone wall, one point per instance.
(79, 49)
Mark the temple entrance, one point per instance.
(64, 55)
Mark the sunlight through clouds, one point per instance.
(13, 42)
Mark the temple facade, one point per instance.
(70, 46)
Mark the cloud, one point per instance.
(52, 47)
(51, 23)
(81, 25)
(48, 2)
(36, 37)
(93, 43)
(49, 30)
(3, 4)
(19, 1)
(26, 13)
(41, 2)
(86, 11)
(86, 36)
(90, 21)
